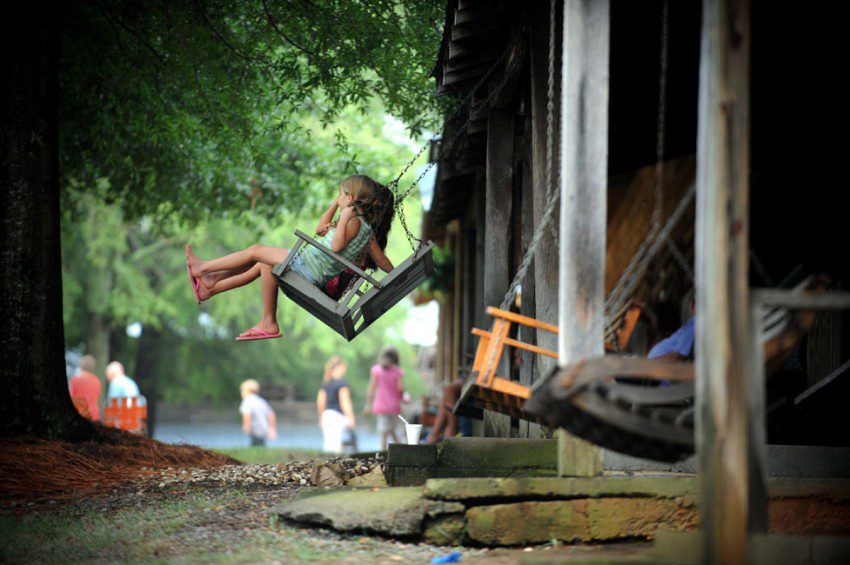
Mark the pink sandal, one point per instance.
(196, 284)
(255, 335)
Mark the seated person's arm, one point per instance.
(327, 218)
(379, 257)
(345, 231)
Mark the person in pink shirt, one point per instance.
(86, 385)
(385, 393)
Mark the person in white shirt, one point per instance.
(258, 419)
(120, 385)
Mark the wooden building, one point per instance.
(729, 90)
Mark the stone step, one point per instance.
(525, 510)
(497, 489)
(496, 457)
(409, 465)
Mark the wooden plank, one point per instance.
(729, 504)
(498, 203)
(584, 180)
(516, 343)
(528, 363)
(520, 319)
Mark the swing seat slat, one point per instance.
(359, 307)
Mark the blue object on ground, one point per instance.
(452, 557)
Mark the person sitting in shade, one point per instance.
(120, 385)
(86, 386)
(680, 345)
(258, 419)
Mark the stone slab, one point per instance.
(402, 455)
(398, 512)
(686, 488)
(504, 455)
(582, 520)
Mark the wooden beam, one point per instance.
(497, 213)
(528, 362)
(723, 428)
(584, 182)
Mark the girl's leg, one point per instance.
(254, 254)
(212, 279)
(393, 436)
(384, 436)
(268, 323)
(230, 283)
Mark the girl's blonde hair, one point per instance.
(388, 357)
(370, 201)
(332, 364)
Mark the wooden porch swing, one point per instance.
(365, 300)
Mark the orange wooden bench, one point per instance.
(485, 390)
(126, 413)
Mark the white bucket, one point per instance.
(413, 431)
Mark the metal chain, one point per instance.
(552, 193)
(446, 146)
(639, 262)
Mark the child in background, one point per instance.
(333, 404)
(258, 419)
(385, 394)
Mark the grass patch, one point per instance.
(269, 455)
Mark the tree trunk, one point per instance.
(35, 396)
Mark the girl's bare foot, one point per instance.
(204, 293)
(265, 326)
(211, 279)
(193, 260)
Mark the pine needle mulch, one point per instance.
(34, 469)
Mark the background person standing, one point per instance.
(86, 385)
(258, 419)
(385, 393)
(120, 385)
(333, 404)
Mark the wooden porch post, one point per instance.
(722, 293)
(497, 213)
(584, 182)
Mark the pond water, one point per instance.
(224, 435)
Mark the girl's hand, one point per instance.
(367, 409)
(346, 214)
(323, 228)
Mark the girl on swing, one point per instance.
(366, 212)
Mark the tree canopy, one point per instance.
(190, 107)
